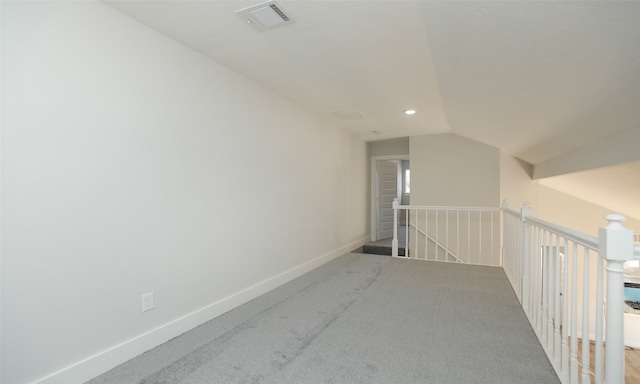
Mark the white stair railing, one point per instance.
(559, 276)
(569, 284)
(448, 254)
(469, 235)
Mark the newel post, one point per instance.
(616, 246)
(394, 242)
(525, 212)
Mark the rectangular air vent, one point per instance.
(265, 16)
(348, 115)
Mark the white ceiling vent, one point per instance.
(348, 115)
(265, 16)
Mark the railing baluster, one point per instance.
(551, 292)
(426, 240)
(541, 279)
(573, 358)
(437, 248)
(565, 311)
(532, 241)
(535, 275)
(491, 239)
(545, 290)
(557, 318)
(585, 319)
(458, 236)
(394, 241)
(541, 290)
(519, 271)
(446, 223)
(524, 246)
(407, 228)
(479, 237)
(415, 238)
(468, 236)
(520, 263)
(537, 253)
(426, 237)
(599, 314)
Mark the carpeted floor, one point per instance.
(359, 319)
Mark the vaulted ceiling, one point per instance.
(537, 79)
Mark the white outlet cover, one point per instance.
(148, 302)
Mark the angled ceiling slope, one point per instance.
(535, 79)
(367, 56)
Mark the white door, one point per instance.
(387, 191)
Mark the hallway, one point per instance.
(360, 319)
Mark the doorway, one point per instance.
(388, 182)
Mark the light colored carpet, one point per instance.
(359, 319)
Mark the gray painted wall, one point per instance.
(618, 149)
(116, 182)
(390, 147)
(450, 170)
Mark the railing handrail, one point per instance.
(579, 237)
(485, 243)
(512, 212)
(449, 208)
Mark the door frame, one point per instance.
(374, 189)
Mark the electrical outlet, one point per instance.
(148, 302)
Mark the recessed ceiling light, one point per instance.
(410, 112)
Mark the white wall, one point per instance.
(451, 170)
(392, 147)
(617, 149)
(517, 186)
(569, 211)
(132, 164)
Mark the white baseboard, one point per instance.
(103, 361)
